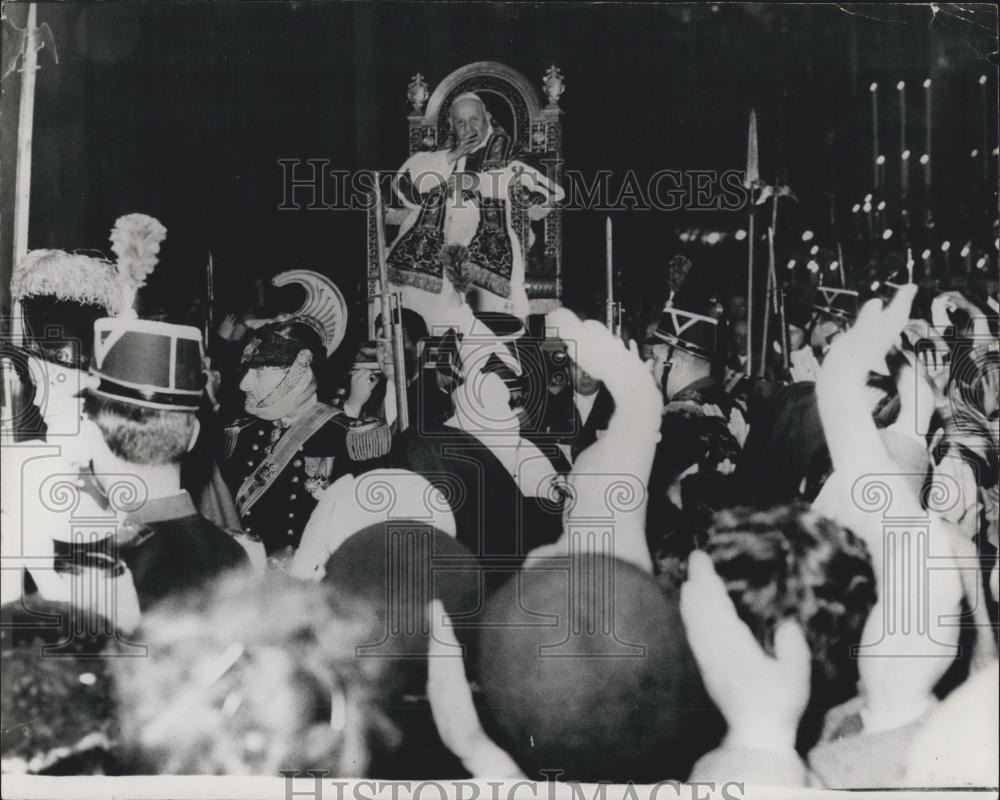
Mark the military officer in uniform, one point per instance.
(702, 425)
(293, 446)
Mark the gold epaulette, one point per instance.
(368, 439)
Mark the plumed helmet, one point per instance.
(61, 296)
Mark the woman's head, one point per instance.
(248, 678)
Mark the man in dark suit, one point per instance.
(577, 414)
(592, 410)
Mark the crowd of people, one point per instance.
(573, 556)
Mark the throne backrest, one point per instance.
(501, 87)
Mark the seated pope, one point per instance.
(468, 195)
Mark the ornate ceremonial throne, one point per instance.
(514, 105)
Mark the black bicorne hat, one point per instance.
(277, 344)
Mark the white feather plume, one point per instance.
(135, 240)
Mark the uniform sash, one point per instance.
(260, 480)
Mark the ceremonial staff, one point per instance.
(750, 180)
(775, 300)
(391, 304)
(209, 298)
(771, 297)
(22, 196)
(25, 128)
(613, 310)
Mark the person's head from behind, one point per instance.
(149, 379)
(61, 295)
(248, 678)
(789, 563)
(137, 435)
(608, 691)
(56, 695)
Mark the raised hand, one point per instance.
(909, 639)
(454, 713)
(841, 386)
(464, 145)
(762, 698)
(363, 383)
(609, 480)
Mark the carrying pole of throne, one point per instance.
(537, 127)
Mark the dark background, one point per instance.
(182, 110)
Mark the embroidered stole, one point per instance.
(416, 258)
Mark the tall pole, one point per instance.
(25, 125)
(209, 299)
(928, 125)
(904, 176)
(750, 179)
(772, 285)
(609, 313)
(875, 165)
(392, 323)
(986, 135)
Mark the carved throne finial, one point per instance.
(554, 85)
(417, 93)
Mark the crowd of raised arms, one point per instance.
(571, 555)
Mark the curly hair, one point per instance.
(141, 435)
(249, 678)
(790, 563)
(787, 563)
